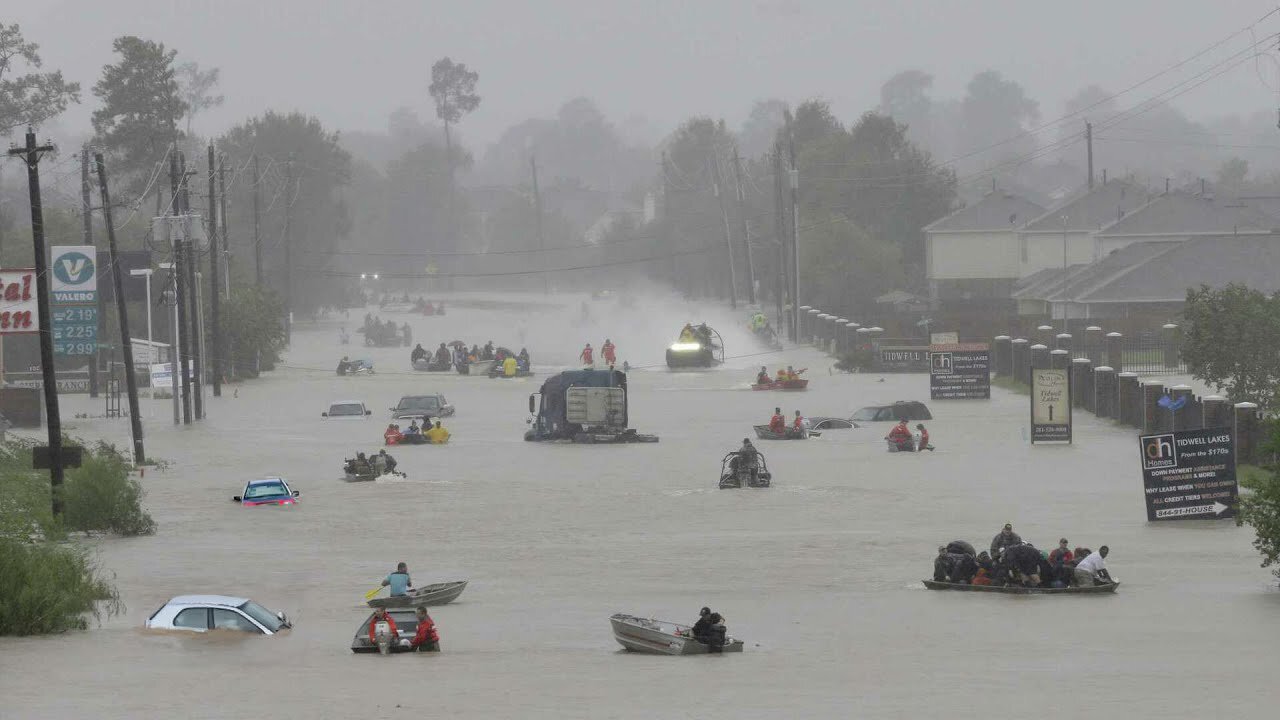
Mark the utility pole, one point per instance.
(746, 229)
(288, 250)
(537, 211)
(257, 238)
(86, 215)
(31, 155)
(795, 236)
(780, 238)
(1088, 138)
(180, 286)
(117, 284)
(193, 261)
(214, 289)
(222, 222)
(713, 164)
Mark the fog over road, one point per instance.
(819, 574)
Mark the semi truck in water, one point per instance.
(583, 406)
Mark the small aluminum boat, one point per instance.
(427, 596)
(1020, 590)
(661, 637)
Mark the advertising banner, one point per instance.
(19, 313)
(903, 358)
(1189, 474)
(1050, 405)
(959, 371)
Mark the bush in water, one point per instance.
(251, 324)
(50, 587)
(101, 496)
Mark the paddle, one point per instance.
(369, 595)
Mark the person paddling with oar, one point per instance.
(398, 581)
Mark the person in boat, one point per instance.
(986, 569)
(686, 334)
(487, 353)
(1062, 554)
(437, 434)
(344, 365)
(392, 435)
(609, 352)
(762, 378)
(1022, 564)
(510, 366)
(777, 423)
(1092, 570)
(793, 374)
(746, 457)
(1003, 539)
(419, 353)
(522, 360)
(413, 430)
(442, 354)
(399, 581)
(474, 355)
(797, 424)
(586, 356)
(900, 436)
(782, 376)
(388, 462)
(710, 631)
(381, 615)
(924, 438)
(426, 638)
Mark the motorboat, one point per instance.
(661, 637)
(731, 477)
(764, 433)
(426, 596)
(792, 385)
(1022, 590)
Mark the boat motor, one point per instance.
(382, 635)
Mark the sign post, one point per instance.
(1050, 405)
(1189, 474)
(959, 371)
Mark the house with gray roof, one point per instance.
(973, 252)
(1182, 216)
(1065, 234)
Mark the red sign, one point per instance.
(18, 311)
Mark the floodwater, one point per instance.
(820, 574)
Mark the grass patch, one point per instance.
(51, 588)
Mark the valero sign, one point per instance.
(1050, 405)
(19, 313)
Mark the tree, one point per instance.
(813, 121)
(141, 105)
(453, 87)
(905, 98)
(1233, 343)
(758, 132)
(844, 267)
(1260, 507)
(252, 327)
(197, 89)
(995, 112)
(34, 97)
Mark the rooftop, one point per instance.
(998, 210)
(1185, 214)
(1088, 210)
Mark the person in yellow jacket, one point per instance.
(437, 434)
(509, 366)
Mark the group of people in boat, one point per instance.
(348, 366)
(377, 465)
(778, 423)
(1010, 561)
(709, 630)
(784, 375)
(608, 353)
(700, 333)
(427, 637)
(434, 434)
(379, 333)
(900, 436)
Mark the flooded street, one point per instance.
(820, 574)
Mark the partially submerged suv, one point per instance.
(901, 410)
(422, 405)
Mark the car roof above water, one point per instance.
(227, 600)
(266, 481)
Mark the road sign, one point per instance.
(1189, 474)
(959, 371)
(1050, 405)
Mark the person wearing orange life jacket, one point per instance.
(426, 638)
(380, 615)
(798, 423)
(392, 436)
(609, 352)
(778, 423)
(763, 378)
(900, 436)
(587, 356)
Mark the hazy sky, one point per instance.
(351, 63)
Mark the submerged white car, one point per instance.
(202, 613)
(346, 410)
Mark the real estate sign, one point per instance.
(1050, 405)
(1189, 474)
(960, 371)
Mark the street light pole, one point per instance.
(1065, 307)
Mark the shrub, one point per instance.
(50, 588)
(101, 496)
(1260, 507)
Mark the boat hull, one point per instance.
(1018, 590)
(427, 596)
(660, 638)
(764, 433)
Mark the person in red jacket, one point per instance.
(393, 436)
(900, 435)
(798, 423)
(380, 615)
(609, 352)
(426, 639)
(587, 356)
(778, 423)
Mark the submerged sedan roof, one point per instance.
(227, 600)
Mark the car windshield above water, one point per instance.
(346, 410)
(265, 617)
(265, 489)
(419, 403)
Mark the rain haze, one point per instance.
(932, 350)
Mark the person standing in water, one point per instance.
(609, 352)
(587, 356)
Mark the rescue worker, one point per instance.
(390, 462)
(393, 436)
(924, 438)
(798, 423)
(763, 377)
(522, 360)
(1003, 539)
(419, 353)
(900, 436)
(609, 352)
(399, 581)
(509, 366)
(425, 638)
(782, 376)
(686, 334)
(777, 423)
(380, 615)
(710, 631)
(587, 356)
(442, 354)
(746, 457)
(437, 434)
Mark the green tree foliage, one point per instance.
(844, 266)
(321, 171)
(905, 98)
(1260, 507)
(813, 122)
(252, 328)
(692, 227)
(197, 89)
(996, 110)
(761, 128)
(1233, 342)
(32, 97)
(141, 106)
